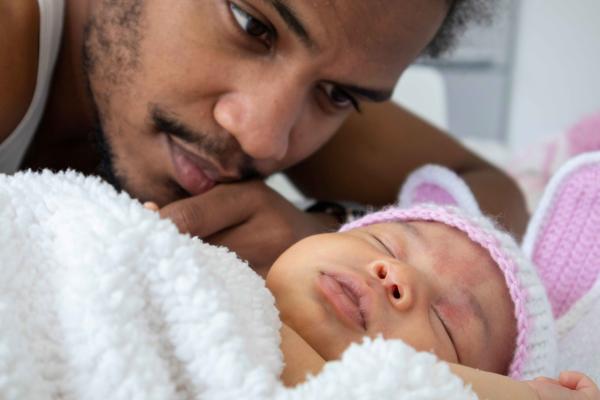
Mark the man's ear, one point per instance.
(563, 236)
(438, 185)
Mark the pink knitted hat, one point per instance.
(434, 193)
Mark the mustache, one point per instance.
(226, 151)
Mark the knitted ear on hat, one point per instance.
(563, 237)
(438, 185)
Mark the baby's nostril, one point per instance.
(396, 292)
(381, 272)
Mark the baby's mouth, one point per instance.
(345, 299)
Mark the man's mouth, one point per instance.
(193, 173)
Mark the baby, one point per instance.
(435, 277)
(423, 282)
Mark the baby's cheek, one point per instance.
(444, 353)
(456, 312)
(424, 338)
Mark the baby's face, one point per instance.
(422, 282)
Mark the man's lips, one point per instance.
(192, 173)
(348, 297)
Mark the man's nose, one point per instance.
(261, 116)
(399, 283)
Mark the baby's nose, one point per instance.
(396, 283)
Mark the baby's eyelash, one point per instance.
(447, 333)
(387, 249)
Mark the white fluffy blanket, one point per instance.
(100, 299)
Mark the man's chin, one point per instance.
(106, 169)
(106, 172)
(146, 189)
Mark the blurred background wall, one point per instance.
(529, 75)
(556, 71)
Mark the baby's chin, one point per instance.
(270, 276)
(275, 278)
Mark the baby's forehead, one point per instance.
(457, 257)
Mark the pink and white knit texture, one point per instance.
(535, 351)
(569, 249)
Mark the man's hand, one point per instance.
(569, 386)
(249, 218)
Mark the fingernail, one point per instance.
(150, 205)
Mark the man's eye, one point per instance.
(253, 26)
(339, 98)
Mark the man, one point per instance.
(192, 100)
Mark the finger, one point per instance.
(210, 212)
(547, 380)
(245, 248)
(152, 206)
(570, 379)
(550, 391)
(243, 239)
(577, 381)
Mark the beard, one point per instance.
(111, 62)
(106, 169)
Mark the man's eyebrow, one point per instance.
(289, 16)
(294, 23)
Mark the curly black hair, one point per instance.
(460, 15)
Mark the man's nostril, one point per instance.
(396, 292)
(381, 272)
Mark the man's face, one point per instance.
(190, 93)
(422, 282)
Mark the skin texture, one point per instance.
(244, 99)
(421, 281)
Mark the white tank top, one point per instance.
(14, 147)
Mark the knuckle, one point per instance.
(257, 194)
(259, 189)
(186, 219)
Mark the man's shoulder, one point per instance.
(19, 47)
